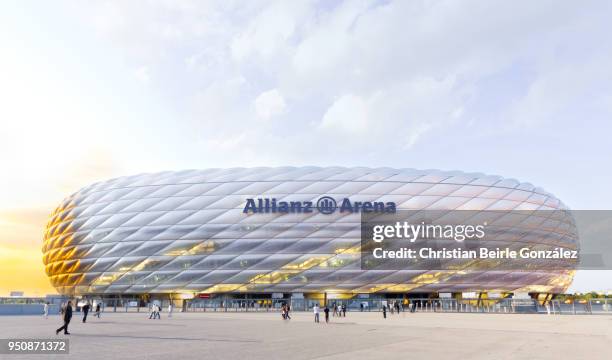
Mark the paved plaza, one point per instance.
(358, 336)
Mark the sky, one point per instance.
(94, 90)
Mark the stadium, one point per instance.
(268, 233)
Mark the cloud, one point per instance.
(401, 70)
(394, 79)
(93, 164)
(22, 226)
(143, 74)
(268, 31)
(348, 114)
(269, 104)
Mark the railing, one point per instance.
(497, 306)
(443, 305)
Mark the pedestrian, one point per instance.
(316, 312)
(384, 311)
(98, 310)
(155, 312)
(326, 311)
(343, 310)
(86, 308)
(170, 309)
(158, 311)
(335, 309)
(46, 310)
(361, 307)
(283, 315)
(288, 309)
(67, 317)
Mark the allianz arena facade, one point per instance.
(187, 232)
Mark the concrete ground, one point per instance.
(358, 336)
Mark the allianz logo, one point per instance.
(324, 205)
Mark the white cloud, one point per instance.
(268, 32)
(348, 115)
(269, 104)
(143, 74)
(393, 72)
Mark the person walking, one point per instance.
(67, 317)
(316, 312)
(361, 307)
(155, 312)
(284, 312)
(335, 309)
(158, 311)
(326, 311)
(170, 309)
(97, 310)
(384, 311)
(343, 310)
(46, 310)
(288, 309)
(86, 308)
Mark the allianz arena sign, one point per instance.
(324, 205)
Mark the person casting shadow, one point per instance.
(67, 318)
(86, 311)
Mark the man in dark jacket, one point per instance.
(67, 318)
(326, 311)
(86, 311)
